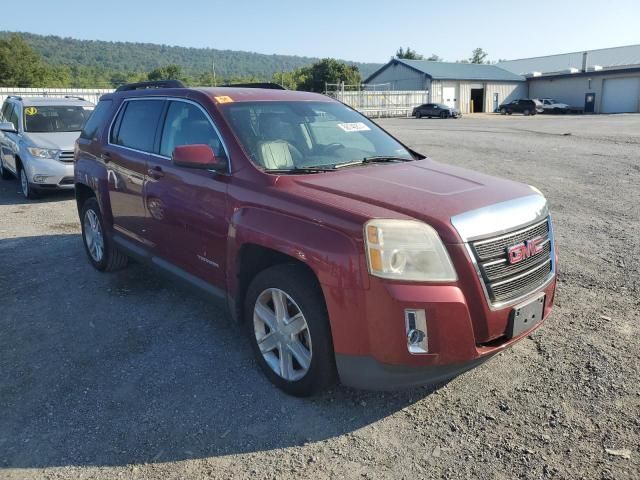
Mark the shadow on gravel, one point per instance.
(131, 367)
(10, 194)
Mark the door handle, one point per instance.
(155, 172)
(106, 157)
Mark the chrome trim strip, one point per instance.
(521, 275)
(504, 260)
(500, 218)
(166, 98)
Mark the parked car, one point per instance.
(552, 106)
(346, 254)
(439, 110)
(37, 136)
(523, 105)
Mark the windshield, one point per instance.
(290, 135)
(55, 118)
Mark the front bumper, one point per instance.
(372, 352)
(49, 174)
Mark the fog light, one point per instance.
(40, 178)
(416, 329)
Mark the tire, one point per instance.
(503, 111)
(526, 112)
(418, 115)
(25, 187)
(4, 173)
(310, 370)
(102, 253)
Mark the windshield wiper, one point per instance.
(295, 170)
(374, 159)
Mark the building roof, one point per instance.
(455, 71)
(605, 57)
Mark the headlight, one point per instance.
(407, 250)
(43, 152)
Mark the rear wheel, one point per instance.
(102, 253)
(418, 115)
(503, 111)
(289, 329)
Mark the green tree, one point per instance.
(168, 72)
(478, 56)
(408, 54)
(328, 70)
(435, 58)
(20, 66)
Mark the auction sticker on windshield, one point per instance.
(354, 127)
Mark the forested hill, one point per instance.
(144, 57)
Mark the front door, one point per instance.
(126, 157)
(187, 207)
(589, 103)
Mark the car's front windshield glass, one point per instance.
(55, 118)
(300, 134)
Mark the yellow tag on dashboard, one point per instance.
(30, 111)
(224, 99)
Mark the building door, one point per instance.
(589, 103)
(449, 96)
(477, 100)
(620, 95)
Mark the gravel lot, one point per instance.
(131, 375)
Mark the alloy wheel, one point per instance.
(93, 235)
(282, 334)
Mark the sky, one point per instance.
(366, 31)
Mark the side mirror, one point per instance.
(198, 156)
(8, 127)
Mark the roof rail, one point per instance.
(15, 96)
(152, 84)
(75, 96)
(267, 85)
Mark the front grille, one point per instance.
(504, 281)
(66, 156)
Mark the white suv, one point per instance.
(37, 139)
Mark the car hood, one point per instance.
(57, 140)
(424, 190)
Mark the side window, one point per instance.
(137, 125)
(5, 111)
(186, 124)
(96, 120)
(12, 116)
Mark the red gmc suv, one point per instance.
(346, 254)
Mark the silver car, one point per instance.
(37, 139)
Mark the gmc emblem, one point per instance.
(524, 250)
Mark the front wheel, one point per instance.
(526, 113)
(503, 111)
(27, 191)
(289, 330)
(100, 249)
(418, 115)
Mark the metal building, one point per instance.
(466, 86)
(599, 81)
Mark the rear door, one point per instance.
(132, 139)
(187, 221)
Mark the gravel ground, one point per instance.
(131, 375)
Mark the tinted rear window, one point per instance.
(137, 128)
(96, 120)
